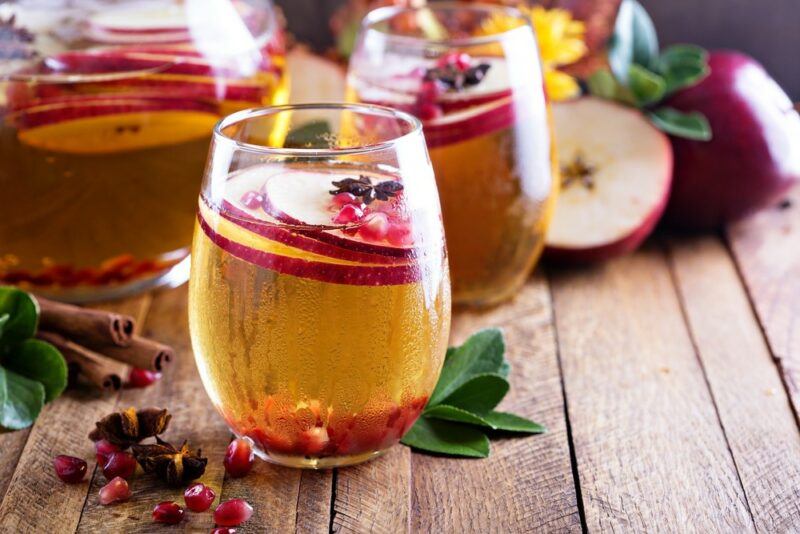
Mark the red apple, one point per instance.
(754, 156)
(616, 176)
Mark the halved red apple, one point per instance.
(100, 125)
(616, 178)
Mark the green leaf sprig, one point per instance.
(643, 76)
(461, 409)
(32, 372)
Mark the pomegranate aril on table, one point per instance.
(119, 464)
(239, 457)
(198, 497)
(69, 469)
(103, 449)
(141, 378)
(168, 513)
(232, 513)
(115, 491)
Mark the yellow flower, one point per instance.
(561, 42)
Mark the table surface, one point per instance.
(669, 381)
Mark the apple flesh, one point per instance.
(616, 176)
(754, 156)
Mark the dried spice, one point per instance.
(175, 466)
(456, 79)
(131, 426)
(14, 40)
(364, 188)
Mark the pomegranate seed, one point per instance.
(429, 92)
(314, 440)
(376, 227)
(232, 513)
(103, 450)
(115, 491)
(459, 60)
(224, 530)
(252, 200)
(168, 512)
(69, 469)
(141, 378)
(239, 458)
(198, 497)
(427, 111)
(348, 214)
(399, 234)
(119, 464)
(343, 199)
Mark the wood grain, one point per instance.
(193, 419)
(374, 496)
(11, 445)
(36, 500)
(751, 402)
(650, 450)
(527, 483)
(767, 251)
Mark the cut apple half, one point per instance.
(616, 177)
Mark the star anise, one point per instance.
(175, 466)
(131, 426)
(15, 40)
(455, 79)
(364, 188)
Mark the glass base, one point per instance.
(173, 277)
(307, 462)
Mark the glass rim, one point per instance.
(365, 109)
(382, 14)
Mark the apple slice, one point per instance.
(470, 122)
(616, 178)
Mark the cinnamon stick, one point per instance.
(102, 371)
(140, 352)
(84, 325)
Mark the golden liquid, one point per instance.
(101, 211)
(312, 369)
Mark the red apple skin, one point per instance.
(754, 157)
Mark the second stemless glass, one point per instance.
(471, 73)
(319, 297)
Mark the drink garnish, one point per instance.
(364, 188)
(15, 41)
(455, 77)
(473, 381)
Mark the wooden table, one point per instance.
(669, 381)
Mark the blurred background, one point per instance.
(765, 29)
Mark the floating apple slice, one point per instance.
(616, 176)
(141, 22)
(470, 122)
(109, 125)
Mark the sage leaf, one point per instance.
(480, 394)
(445, 437)
(692, 126)
(458, 415)
(313, 134)
(23, 401)
(647, 86)
(512, 423)
(39, 361)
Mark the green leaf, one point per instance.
(685, 76)
(313, 134)
(480, 394)
(482, 353)
(458, 415)
(682, 55)
(23, 402)
(447, 438)
(512, 423)
(39, 361)
(688, 125)
(634, 40)
(23, 311)
(4, 318)
(603, 84)
(647, 87)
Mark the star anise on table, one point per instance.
(131, 426)
(174, 466)
(364, 188)
(455, 79)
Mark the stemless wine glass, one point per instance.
(471, 73)
(319, 300)
(106, 112)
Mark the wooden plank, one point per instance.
(193, 419)
(767, 251)
(751, 402)
(527, 483)
(11, 445)
(314, 502)
(374, 496)
(649, 446)
(36, 501)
